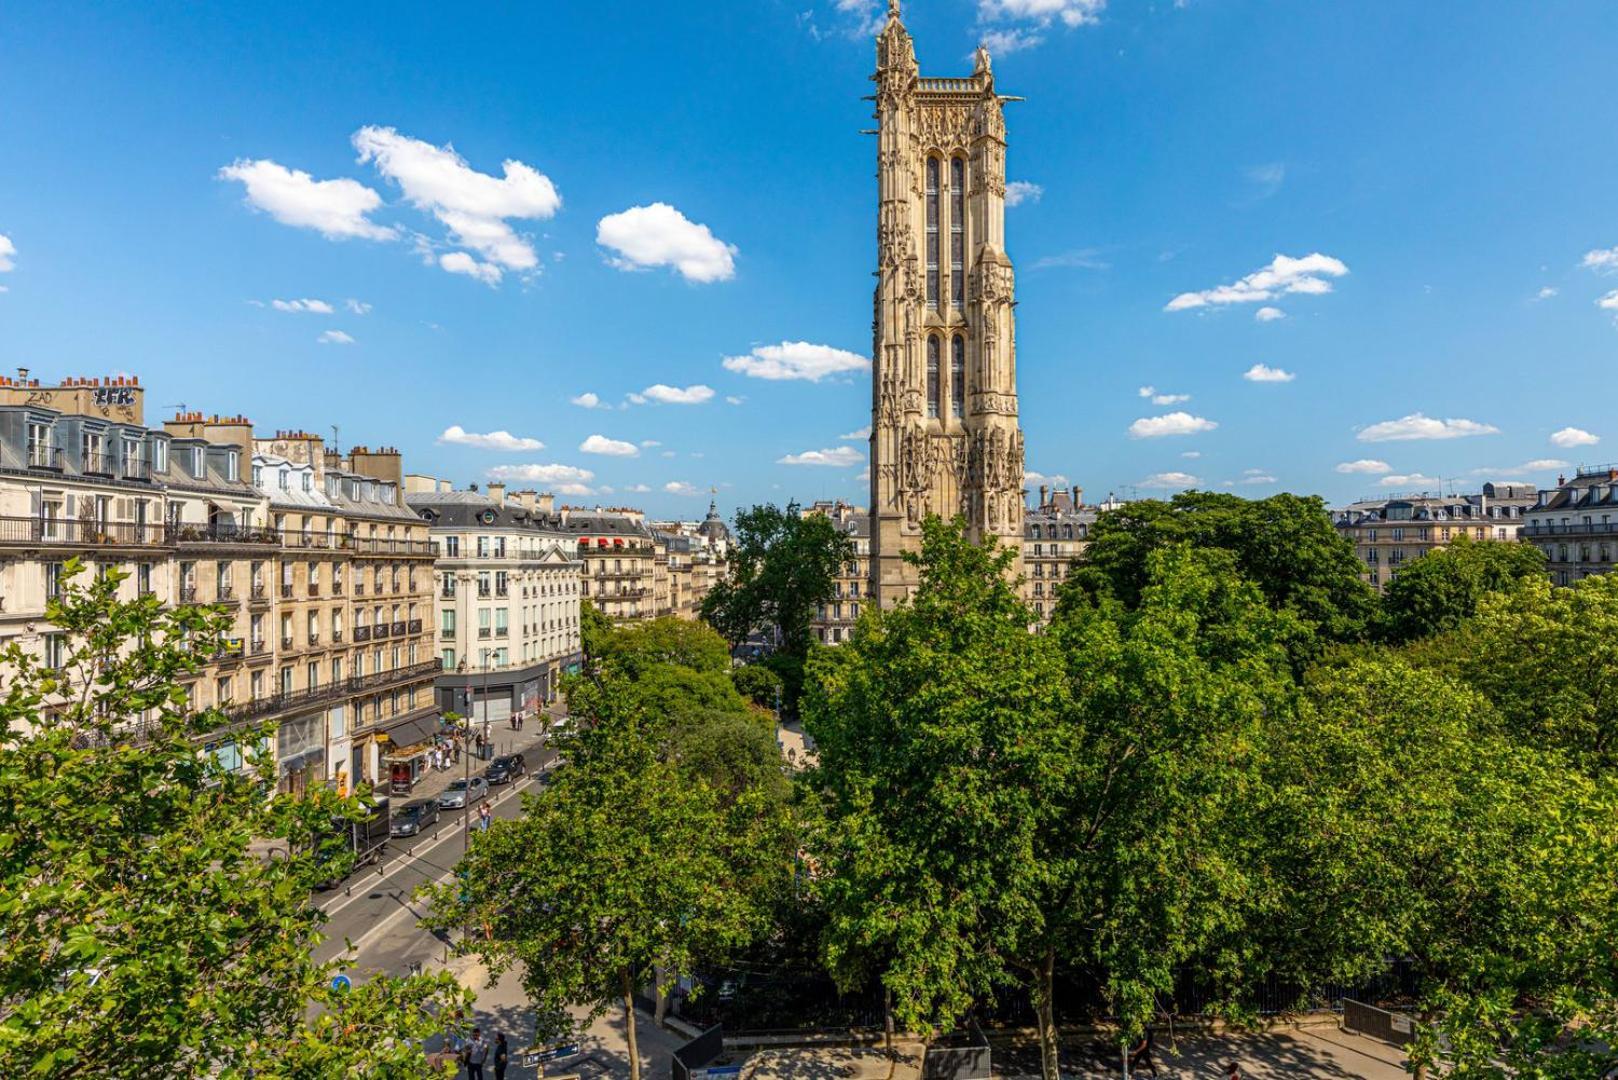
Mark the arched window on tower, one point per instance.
(932, 377)
(932, 232)
(957, 376)
(957, 232)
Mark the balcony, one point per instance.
(362, 634)
(483, 631)
(226, 595)
(314, 639)
(445, 594)
(286, 590)
(336, 637)
(286, 644)
(1548, 529)
(380, 630)
(314, 588)
(96, 463)
(337, 588)
(399, 629)
(220, 532)
(359, 588)
(446, 634)
(335, 691)
(500, 631)
(41, 456)
(133, 468)
(415, 626)
(259, 592)
(188, 594)
(381, 547)
(79, 532)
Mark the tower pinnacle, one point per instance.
(893, 9)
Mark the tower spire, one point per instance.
(893, 9)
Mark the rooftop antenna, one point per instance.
(335, 445)
(180, 408)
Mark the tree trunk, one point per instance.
(629, 1024)
(662, 1011)
(887, 1018)
(1050, 1062)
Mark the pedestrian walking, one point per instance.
(1141, 1053)
(502, 1055)
(1233, 1071)
(485, 815)
(474, 1055)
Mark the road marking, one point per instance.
(440, 837)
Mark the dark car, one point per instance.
(415, 818)
(503, 770)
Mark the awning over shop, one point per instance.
(409, 730)
(406, 753)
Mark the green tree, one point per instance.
(1402, 822)
(758, 684)
(1285, 544)
(1548, 660)
(783, 565)
(627, 864)
(595, 629)
(141, 931)
(1442, 588)
(1001, 804)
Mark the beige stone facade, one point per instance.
(834, 620)
(1055, 533)
(619, 560)
(1576, 524)
(1391, 532)
(323, 571)
(509, 581)
(944, 431)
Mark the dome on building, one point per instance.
(713, 528)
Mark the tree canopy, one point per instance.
(142, 933)
(1285, 544)
(783, 565)
(1440, 590)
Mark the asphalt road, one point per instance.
(374, 909)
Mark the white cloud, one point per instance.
(1269, 314)
(637, 489)
(1364, 465)
(1546, 293)
(1536, 465)
(8, 252)
(1268, 177)
(544, 474)
(1174, 480)
(1417, 426)
(1284, 274)
(1162, 399)
(1191, 455)
(857, 435)
(335, 337)
(837, 457)
(600, 444)
(358, 307)
(669, 454)
(1033, 479)
(1007, 41)
(1570, 437)
(673, 395)
(1265, 373)
(647, 444)
(311, 307)
(1609, 302)
(680, 487)
(1412, 481)
(1021, 191)
(336, 209)
(1256, 476)
(644, 237)
(574, 489)
(587, 400)
(459, 262)
(734, 399)
(476, 207)
(1042, 12)
(1174, 423)
(1604, 260)
(796, 360)
(456, 435)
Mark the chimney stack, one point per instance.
(1078, 496)
(1043, 489)
(525, 499)
(497, 492)
(547, 503)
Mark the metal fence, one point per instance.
(1395, 1028)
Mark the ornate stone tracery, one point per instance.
(929, 452)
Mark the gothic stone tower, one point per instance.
(944, 433)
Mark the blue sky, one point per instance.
(688, 184)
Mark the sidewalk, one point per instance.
(531, 737)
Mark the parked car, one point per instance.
(503, 770)
(457, 794)
(415, 818)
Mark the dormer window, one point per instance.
(284, 478)
(232, 466)
(160, 455)
(198, 468)
(308, 481)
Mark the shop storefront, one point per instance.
(300, 751)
